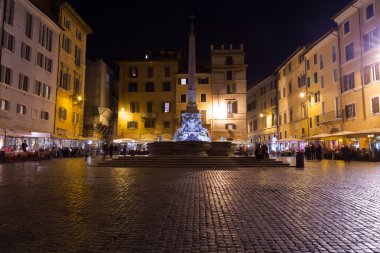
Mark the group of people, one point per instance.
(313, 152)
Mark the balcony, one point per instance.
(330, 117)
(148, 115)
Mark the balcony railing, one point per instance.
(148, 115)
(330, 116)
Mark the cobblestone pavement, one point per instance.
(69, 205)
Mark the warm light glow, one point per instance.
(79, 98)
(340, 140)
(261, 115)
(302, 94)
(122, 109)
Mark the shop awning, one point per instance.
(318, 136)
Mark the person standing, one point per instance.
(24, 146)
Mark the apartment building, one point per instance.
(229, 93)
(29, 64)
(147, 97)
(262, 112)
(71, 80)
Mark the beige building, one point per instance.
(322, 90)
(71, 76)
(262, 112)
(359, 35)
(292, 108)
(229, 93)
(203, 97)
(147, 97)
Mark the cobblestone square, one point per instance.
(70, 205)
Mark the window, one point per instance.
(290, 88)
(133, 72)
(48, 64)
(322, 82)
(23, 83)
(371, 73)
(149, 123)
(308, 82)
(149, 107)
(183, 98)
(350, 111)
(202, 80)
(311, 122)
(279, 120)
(371, 39)
(349, 51)
(149, 87)
(40, 59)
(183, 81)
(232, 107)
(315, 59)
(8, 41)
(321, 64)
(334, 57)
(290, 67)
(346, 27)
(4, 105)
(26, 51)
(369, 11)
(317, 97)
(283, 92)
(317, 119)
(166, 124)
(229, 60)
(9, 14)
(303, 111)
(75, 118)
(315, 77)
(335, 75)
(323, 107)
(132, 125)
(79, 34)
(67, 23)
(166, 86)
(262, 90)
(45, 37)
(44, 115)
(65, 81)
(38, 88)
(166, 107)
(28, 25)
(132, 87)
(150, 71)
(47, 91)
(375, 105)
(77, 88)
(6, 75)
(231, 88)
(66, 44)
(167, 71)
(134, 107)
(290, 114)
(230, 126)
(203, 98)
(78, 56)
(62, 113)
(307, 64)
(229, 76)
(285, 118)
(21, 109)
(348, 82)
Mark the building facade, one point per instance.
(29, 64)
(262, 112)
(358, 30)
(229, 93)
(99, 109)
(71, 79)
(147, 97)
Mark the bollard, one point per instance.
(300, 160)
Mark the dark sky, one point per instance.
(270, 30)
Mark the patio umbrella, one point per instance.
(318, 136)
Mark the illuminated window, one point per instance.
(133, 72)
(166, 107)
(183, 81)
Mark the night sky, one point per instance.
(270, 30)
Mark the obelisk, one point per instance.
(192, 93)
